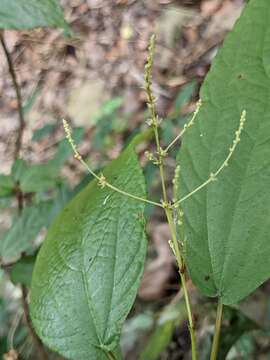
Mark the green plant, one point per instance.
(31, 13)
(88, 270)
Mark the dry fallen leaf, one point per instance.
(209, 7)
(11, 355)
(158, 271)
(224, 16)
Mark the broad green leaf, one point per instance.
(44, 177)
(19, 168)
(43, 131)
(158, 342)
(21, 271)
(26, 226)
(111, 106)
(35, 178)
(6, 185)
(184, 96)
(227, 224)
(135, 329)
(237, 324)
(28, 14)
(89, 267)
(63, 195)
(108, 120)
(40, 177)
(24, 230)
(246, 346)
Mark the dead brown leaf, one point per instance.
(159, 270)
(11, 355)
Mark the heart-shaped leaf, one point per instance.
(227, 224)
(28, 14)
(24, 230)
(89, 268)
(6, 185)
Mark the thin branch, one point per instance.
(213, 176)
(12, 72)
(186, 126)
(102, 182)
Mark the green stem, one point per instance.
(154, 123)
(179, 258)
(161, 169)
(181, 266)
(190, 318)
(215, 345)
(131, 195)
(111, 356)
(188, 125)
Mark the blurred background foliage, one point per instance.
(91, 73)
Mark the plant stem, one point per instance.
(161, 168)
(18, 95)
(179, 258)
(188, 125)
(215, 345)
(182, 272)
(111, 356)
(112, 187)
(180, 262)
(168, 208)
(102, 182)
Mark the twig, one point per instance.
(18, 143)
